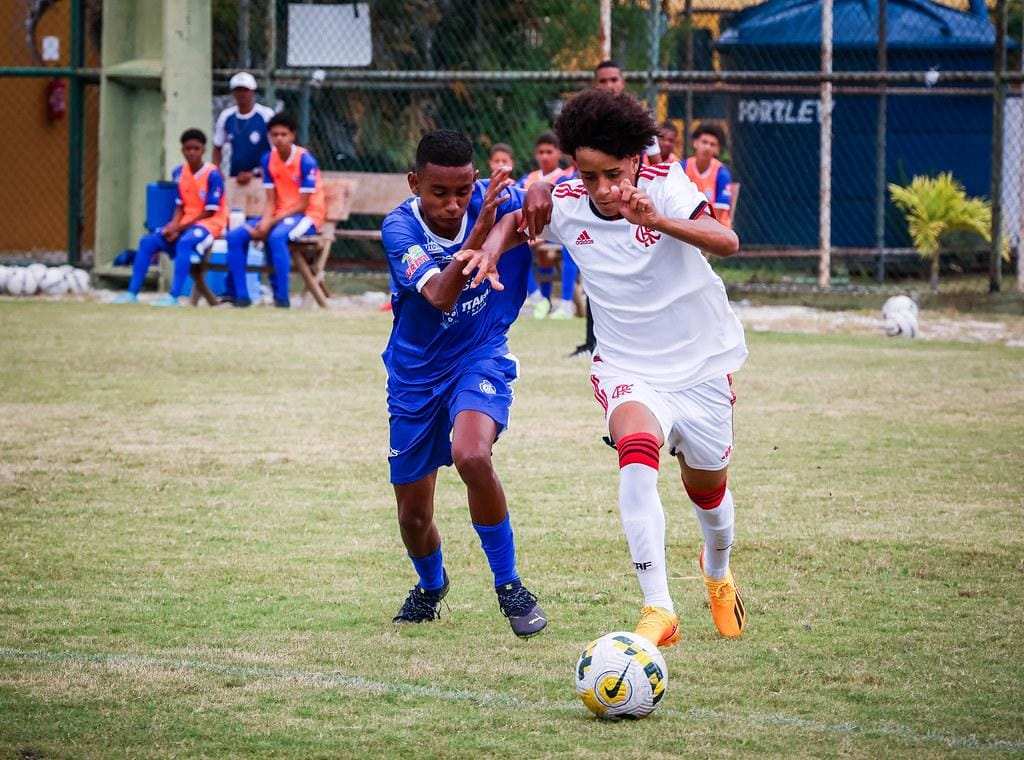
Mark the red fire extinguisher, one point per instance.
(56, 99)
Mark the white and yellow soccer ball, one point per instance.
(900, 315)
(621, 675)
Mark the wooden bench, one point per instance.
(378, 195)
(309, 254)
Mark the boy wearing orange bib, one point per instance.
(710, 175)
(200, 215)
(295, 207)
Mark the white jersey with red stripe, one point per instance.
(661, 314)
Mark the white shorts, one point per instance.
(696, 422)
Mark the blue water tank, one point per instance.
(774, 136)
(160, 200)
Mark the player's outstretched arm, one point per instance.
(484, 261)
(442, 290)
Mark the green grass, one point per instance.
(200, 556)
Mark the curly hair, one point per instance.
(618, 125)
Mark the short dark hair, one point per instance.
(546, 138)
(618, 125)
(193, 134)
(669, 125)
(501, 148)
(608, 63)
(444, 147)
(283, 119)
(709, 129)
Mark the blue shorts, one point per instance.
(421, 442)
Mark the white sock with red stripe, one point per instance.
(716, 513)
(643, 519)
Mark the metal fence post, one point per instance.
(995, 268)
(76, 126)
(825, 113)
(606, 29)
(688, 113)
(653, 54)
(244, 22)
(271, 62)
(880, 136)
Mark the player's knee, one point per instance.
(473, 461)
(704, 496)
(414, 519)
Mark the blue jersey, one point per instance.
(247, 135)
(428, 348)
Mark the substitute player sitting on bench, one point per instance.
(200, 215)
(295, 207)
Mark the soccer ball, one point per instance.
(38, 271)
(900, 315)
(621, 675)
(53, 282)
(78, 280)
(21, 282)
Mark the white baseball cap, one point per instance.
(243, 79)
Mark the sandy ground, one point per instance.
(933, 325)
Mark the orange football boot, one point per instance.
(727, 608)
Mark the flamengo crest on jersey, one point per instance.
(660, 312)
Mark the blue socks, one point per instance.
(500, 548)
(430, 570)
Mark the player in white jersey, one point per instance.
(667, 340)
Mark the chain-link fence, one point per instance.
(365, 80)
(51, 114)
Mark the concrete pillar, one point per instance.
(156, 82)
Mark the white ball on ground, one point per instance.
(53, 282)
(78, 280)
(900, 315)
(38, 271)
(621, 675)
(17, 281)
(897, 304)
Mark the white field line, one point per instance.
(334, 680)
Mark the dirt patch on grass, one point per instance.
(932, 325)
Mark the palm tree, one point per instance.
(935, 206)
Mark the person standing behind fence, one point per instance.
(200, 215)
(243, 126)
(709, 174)
(295, 207)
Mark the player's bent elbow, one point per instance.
(729, 245)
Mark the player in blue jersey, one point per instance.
(450, 373)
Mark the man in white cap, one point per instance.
(244, 125)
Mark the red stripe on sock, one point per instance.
(706, 499)
(639, 448)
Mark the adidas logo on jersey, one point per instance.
(584, 239)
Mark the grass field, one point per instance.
(199, 555)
